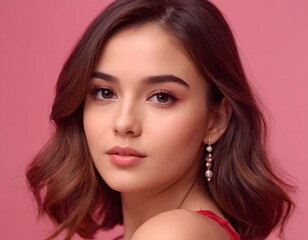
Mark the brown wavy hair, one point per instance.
(62, 176)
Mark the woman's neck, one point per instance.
(140, 207)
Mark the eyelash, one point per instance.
(97, 89)
(171, 98)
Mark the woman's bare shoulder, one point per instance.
(180, 224)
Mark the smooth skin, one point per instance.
(149, 96)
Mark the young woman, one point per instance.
(156, 128)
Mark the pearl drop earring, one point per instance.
(208, 160)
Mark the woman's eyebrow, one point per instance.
(147, 80)
(163, 79)
(105, 76)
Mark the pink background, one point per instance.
(36, 37)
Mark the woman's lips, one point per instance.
(125, 156)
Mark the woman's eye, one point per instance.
(106, 94)
(103, 94)
(162, 98)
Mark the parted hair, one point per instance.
(245, 186)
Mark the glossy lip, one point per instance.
(124, 156)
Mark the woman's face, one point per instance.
(146, 114)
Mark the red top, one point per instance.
(224, 223)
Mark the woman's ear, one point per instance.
(218, 122)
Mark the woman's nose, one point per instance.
(127, 123)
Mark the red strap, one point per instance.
(224, 223)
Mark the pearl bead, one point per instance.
(209, 148)
(208, 174)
